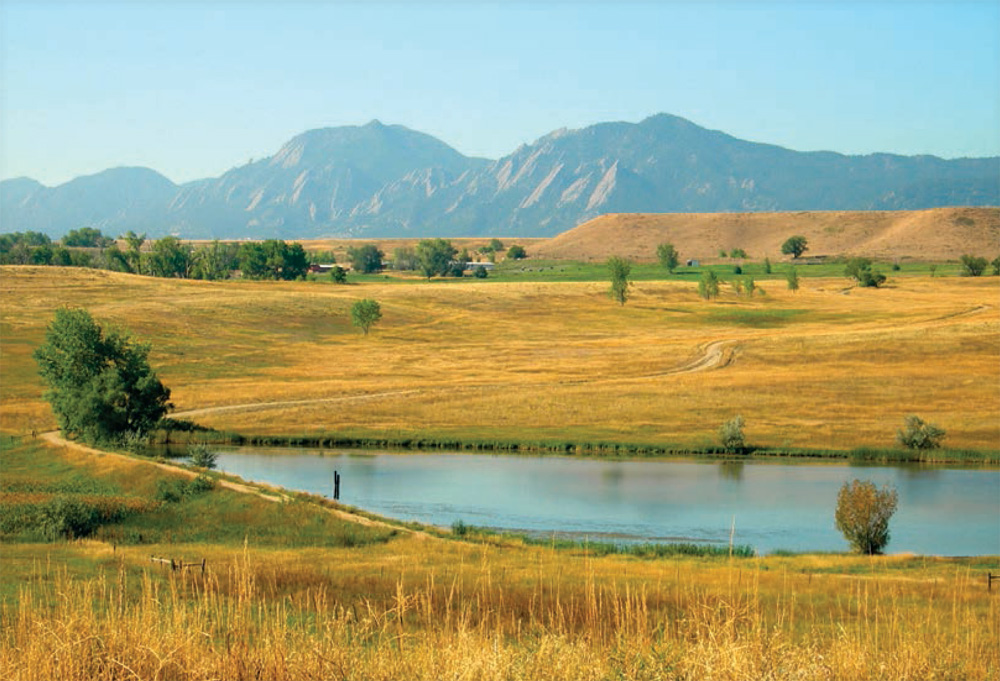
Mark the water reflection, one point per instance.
(731, 470)
(775, 505)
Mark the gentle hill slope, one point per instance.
(934, 234)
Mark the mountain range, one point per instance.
(381, 181)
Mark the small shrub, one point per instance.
(731, 435)
(863, 513)
(480, 272)
(708, 286)
(793, 279)
(459, 528)
(202, 456)
(767, 265)
(170, 491)
(66, 518)
(200, 485)
(918, 434)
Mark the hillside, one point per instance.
(935, 234)
(387, 181)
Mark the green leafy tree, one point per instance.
(516, 252)
(996, 265)
(668, 257)
(620, 270)
(100, 384)
(134, 252)
(87, 237)
(338, 274)
(861, 271)
(168, 258)
(708, 285)
(365, 313)
(795, 246)
(863, 513)
(731, 435)
(273, 259)
(767, 265)
(792, 277)
(405, 259)
(366, 259)
(286, 262)
(973, 266)
(214, 261)
(252, 260)
(435, 256)
(496, 245)
(738, 253)
(62, 257)
(42, 255)
(918, 434)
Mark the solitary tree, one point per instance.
(861, 271)
(793, 279)
(100, 384)
(863, 513)
(795, 246)
(516, 252)
(668, 256)
(620, 269)
(973, 266)
(731, 435)
(365, 313)
(918, 434)
(708, 286)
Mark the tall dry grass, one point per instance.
(476, 622)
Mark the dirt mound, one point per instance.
(934, 234)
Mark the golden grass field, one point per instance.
(829, 366)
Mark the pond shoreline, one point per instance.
(595, 450)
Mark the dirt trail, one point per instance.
(262, 491)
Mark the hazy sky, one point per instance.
(192, 89)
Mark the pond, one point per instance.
(772, 506)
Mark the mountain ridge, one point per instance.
(378, 180)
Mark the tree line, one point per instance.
(271, 259)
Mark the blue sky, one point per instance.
(192, 89)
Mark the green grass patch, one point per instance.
(758, 318)
(46, 497)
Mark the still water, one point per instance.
(942, 511)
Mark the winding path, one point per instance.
(263, 491)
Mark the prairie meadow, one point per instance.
(829, 366)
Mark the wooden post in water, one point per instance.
(336, 486)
